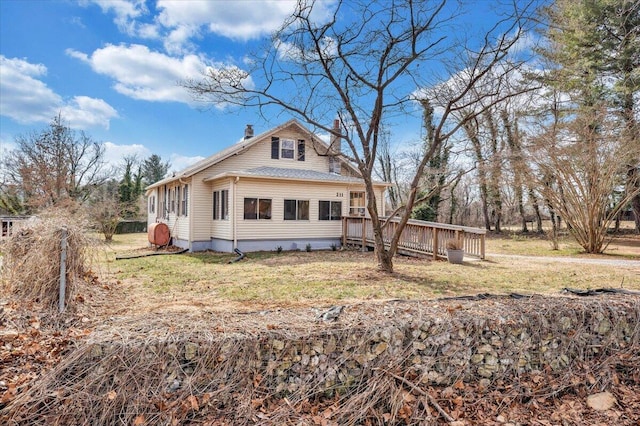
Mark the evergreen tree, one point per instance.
(154, 169)
(130, 188)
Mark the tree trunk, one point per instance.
(482, 173)
(385, 261)
(495, 175)
(536, 209)
(516, 165)
(635, 206)
(384, 256)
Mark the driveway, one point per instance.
(624, 263)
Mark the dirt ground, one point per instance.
(625, 244)
(33, 340)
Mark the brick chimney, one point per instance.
(335, 149)
(248, 132)
(336, 141)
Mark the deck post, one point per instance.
(482, 246)
(460, 238)
(435, 243)
(344, 231)
(364, 234)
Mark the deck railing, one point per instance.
(418, 237)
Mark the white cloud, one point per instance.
(289, 51)
(143, 74)
(84, 112)
(27, 99)
(177, 41)
(525, 43)
(243, 20)
(180, 162)
(146, 75)
(178, 23)
(113, 154)
(125, 11)
(6, 145)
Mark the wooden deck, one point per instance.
(419, 238)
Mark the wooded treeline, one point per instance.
(532, 117)
(566, 148)
(59, 167)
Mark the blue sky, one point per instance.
(111, 68)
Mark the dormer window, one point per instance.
(286, 149)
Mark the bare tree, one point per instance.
(387, 170)
(594, 48)
(580, 167)
(55, 166)
(472, 130)
(519, 168)
(364, 69)
(105, 209)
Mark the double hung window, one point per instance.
(257, 208)
(296, 209)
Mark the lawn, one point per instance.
(268, 279)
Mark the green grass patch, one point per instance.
(318, 278)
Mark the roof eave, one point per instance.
(291, 179)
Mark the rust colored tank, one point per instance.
(159, 234)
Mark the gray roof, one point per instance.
(299, 174)
(236, 148)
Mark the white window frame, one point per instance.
(291, 150)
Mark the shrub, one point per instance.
(454, 244)
(31, 264)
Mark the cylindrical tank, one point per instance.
(159, 234)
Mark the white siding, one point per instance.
(221, 228)
(200, 209)
(259, 155)
(278, 191)
(152, 215)
(200, 226)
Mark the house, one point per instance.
(283, 188)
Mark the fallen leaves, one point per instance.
(28, 348)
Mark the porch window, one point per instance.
(330, 210)
(152, 204)
(224, 204)
(356, 203)
(257, 208)
(185, 200)
(216, 205)
(221, 205)
(296, 209)
(165, 203)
